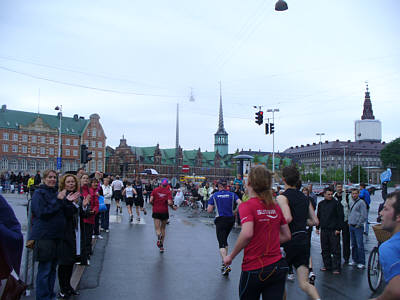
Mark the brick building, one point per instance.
(29, 141)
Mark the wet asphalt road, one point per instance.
(127, 264)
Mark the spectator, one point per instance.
(357, 217)
(330, 216)
(70, 245)
(11, 244)
(364, 194)
(105, 215)
(38, 179)
(47, 232)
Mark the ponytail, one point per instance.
(260, 179)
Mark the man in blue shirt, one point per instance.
(224, 202)
(389, 251)
(364, 194)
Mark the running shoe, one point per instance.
(138, 219)
(131, 219)
(120, 209)
(62, 295)
(159, 241)
(226, 271)
(99, 237)
(145, 211)
(162, 249)
(107, 230)
(360, 266)
(222, 267)
(311, 278)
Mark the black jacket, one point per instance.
(330, 215)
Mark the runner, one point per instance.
(139, 201)
(129, 192)
(299, 213)
(224, 202)
(161, 198)
(117, 187)
(263, 229)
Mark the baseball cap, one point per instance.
(164, 181)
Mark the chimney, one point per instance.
(82, 118)
(76, 118)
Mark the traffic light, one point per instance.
(85, 154)
(271, 128)
(266, 128)
(259, 117)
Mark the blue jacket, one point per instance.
(364, 194)
(48, 221)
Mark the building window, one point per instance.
(15, 137)
(24, 149)
(51, 140)
(94, 133)
(5, 136)
(14, 148)
(67, 152)
(68, 142)
(100, 144)
(14, 164)
(93, 154)
(87, 143)
(51, 151)
(4, 164)
(5, 148)
(88, 132)
(43, 139)
(24, 165)
(75, 142)
(93, 144)
(42, 165)
(24, 138)
(51, 165)
(99, 154)
(33, 138)
(93, 166)
(33, 150)
(75, 152)
(99, 165)
(74, 165)
(32, 165)
(42, 150)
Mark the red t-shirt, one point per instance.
(264, 247)
(161, 195)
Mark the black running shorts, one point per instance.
(117, 195)
(160, 216)
(139, 201)
(223, 226)
(298, 250)
(129, 201)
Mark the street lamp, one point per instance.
(344, 164)
(59, 165)
(320, 156)
(358, 163)
(281, 5)
(273, 141)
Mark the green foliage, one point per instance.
(354, 175)
(390, 155)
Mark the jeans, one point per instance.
(105, 218)
(268, 282)
(45, 280)
(357, 244)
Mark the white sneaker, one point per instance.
(93, 236)
(99, 237)
(290, 277)
(352, 263)
(107, 230)
(360, 266)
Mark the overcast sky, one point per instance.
(132, 61)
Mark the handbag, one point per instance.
(102, 205)
(14, 288)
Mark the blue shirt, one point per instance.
(364, 194)
(224, 202)
(389, 257)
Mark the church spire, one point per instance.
(221, 129)
(368, 114)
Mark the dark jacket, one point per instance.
(330, 215)
(48, 214)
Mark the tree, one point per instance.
(390, 155)
(354, 174)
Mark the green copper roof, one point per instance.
(12, 119)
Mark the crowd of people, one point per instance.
(69, 211)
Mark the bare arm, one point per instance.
(210, 208)
(284, 234)
(392, 290)
(284, 205)
(312, 218)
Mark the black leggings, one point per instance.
(223, 227)
(64, 277)
(268, 282)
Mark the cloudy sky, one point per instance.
(132, 61)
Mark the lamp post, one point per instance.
(273, 110)
(59, 165)
(358, 163)
(320, 156)
(344, 164)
